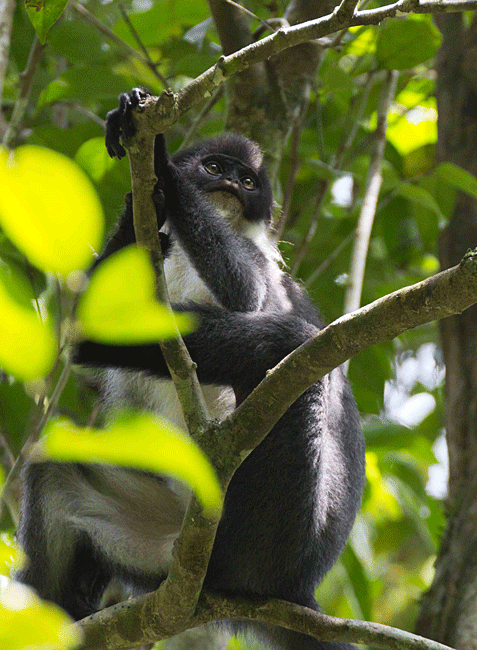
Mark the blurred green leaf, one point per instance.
(458, 178)
(158, 447)
(10, 554)
(43, 14)
(120, 306)
(418, 195)
(94, 159)
(40, 211)
(28, 623)
(27, 344)
(404, 43)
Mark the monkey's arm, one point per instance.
(230, 348)
(230, 264)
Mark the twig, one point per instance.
(88, 16)
(294, 169)
(150, 62)
(348, 142)
(208, 106)
(85, 111)
(6, 20)
(182, 587)
(311, 230)
(347, 8)
(331, 258)
(33, 437)
(251, 14)
(370, 199)
(26, 81)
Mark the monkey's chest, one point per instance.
(158, 395)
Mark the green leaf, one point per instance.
(10, 555)
(27, 622)
(419, 195)
(27, 344)
(41, 213)
(403, 44)
(158, 447)
(43, 14)
(408, 136)
(119, 305)
(458, 177)
(93, 157)
(322, 170)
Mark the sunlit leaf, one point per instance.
(382, 503)
(43, 14)
(27, 344)
(458, 177)
(49, 209)
(26, 622)
(407, 136)
(403, 44)
(10, 555)
(119, 305)
(363, 43)
(139, 440)
(93, 157)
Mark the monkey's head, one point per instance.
(229, 170)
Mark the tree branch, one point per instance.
(26, 81)
(124, 625)
(111, 628)
(370, 199)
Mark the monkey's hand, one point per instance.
(119, 121)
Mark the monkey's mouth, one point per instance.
(227, 204)
(227, 187)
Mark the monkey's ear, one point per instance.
(119, 121)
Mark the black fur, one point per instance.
(290, 506)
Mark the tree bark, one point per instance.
(449, 609)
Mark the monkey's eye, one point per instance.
(213, 168)
(248, 183)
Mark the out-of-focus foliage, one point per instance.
(120, 306)
(398, 385)
(158, 447)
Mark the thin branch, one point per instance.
(331, 258)
(84, 111)
(150, 62)
(26, 81)
(294, 169)
(7, 7)
(296, 34)
(252, 15)
(43, 416)
(370, 199)
(311, 230)
(347, 9)
(199, 118)
(182, 587)
(347, 143)
(104, 29)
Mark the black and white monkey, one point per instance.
(291, 504)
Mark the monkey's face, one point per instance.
(229, 172)
(232, 186)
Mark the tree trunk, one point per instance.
(449, 609)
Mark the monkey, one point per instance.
(290, 506)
